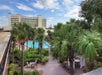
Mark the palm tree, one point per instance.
(71, 31)
(19, 31)
(34, 35)
(66, 37)
(23, 36)
(29, 33)
(14, 37)
(87, 45)
(40, 38)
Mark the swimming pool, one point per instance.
(36, 44)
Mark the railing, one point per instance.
(4, 63)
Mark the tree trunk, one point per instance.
(19, 46)
(40, 50)
(71, 67)
(13, 50)
(22, 56)
(71, 59)
(90, 64)
(27, 44)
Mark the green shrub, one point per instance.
(17, 71)
(17, 57)
(55, 52)
(28, 73)
(11, 59)
(29, 55)
(45, 59)
(99, 59)
(31, 73)
(98, 65)
(36, 72)
(11, 69)
(45, 52)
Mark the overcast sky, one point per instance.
(53, 10)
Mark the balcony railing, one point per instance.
(4, 61)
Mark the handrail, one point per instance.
(4, 62)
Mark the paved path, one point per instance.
(54, 68)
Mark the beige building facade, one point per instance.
(34, 22)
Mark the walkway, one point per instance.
(53, 67)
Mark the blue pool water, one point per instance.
(36, 44)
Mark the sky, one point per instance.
(53, 10)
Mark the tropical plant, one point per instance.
(19, 33)
(40, 38)
(11, 69)
(91, 10)
(87, 45)
(63, 42)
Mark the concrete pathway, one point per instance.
(54, 68)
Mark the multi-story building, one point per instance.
(34, 22)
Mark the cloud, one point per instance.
(60, 14)
(46, 4)
(30, 15)
(3, 21)
(4, 7)
(38, 4)
(67, 2)
(73, 13)
(24, 7)
(52, 21)
(52, 10)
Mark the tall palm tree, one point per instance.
(20, 30)
(40, 38)
(34, 35)
(67, 35)
(29, 33)
(14, 37)
(70, 33)
(88, 44)
(23, 36)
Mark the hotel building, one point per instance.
(34, 22)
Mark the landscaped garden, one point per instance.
(30, 55)
(80, 38)
(68, 41)
(21, 56)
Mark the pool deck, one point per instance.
(4, 39)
